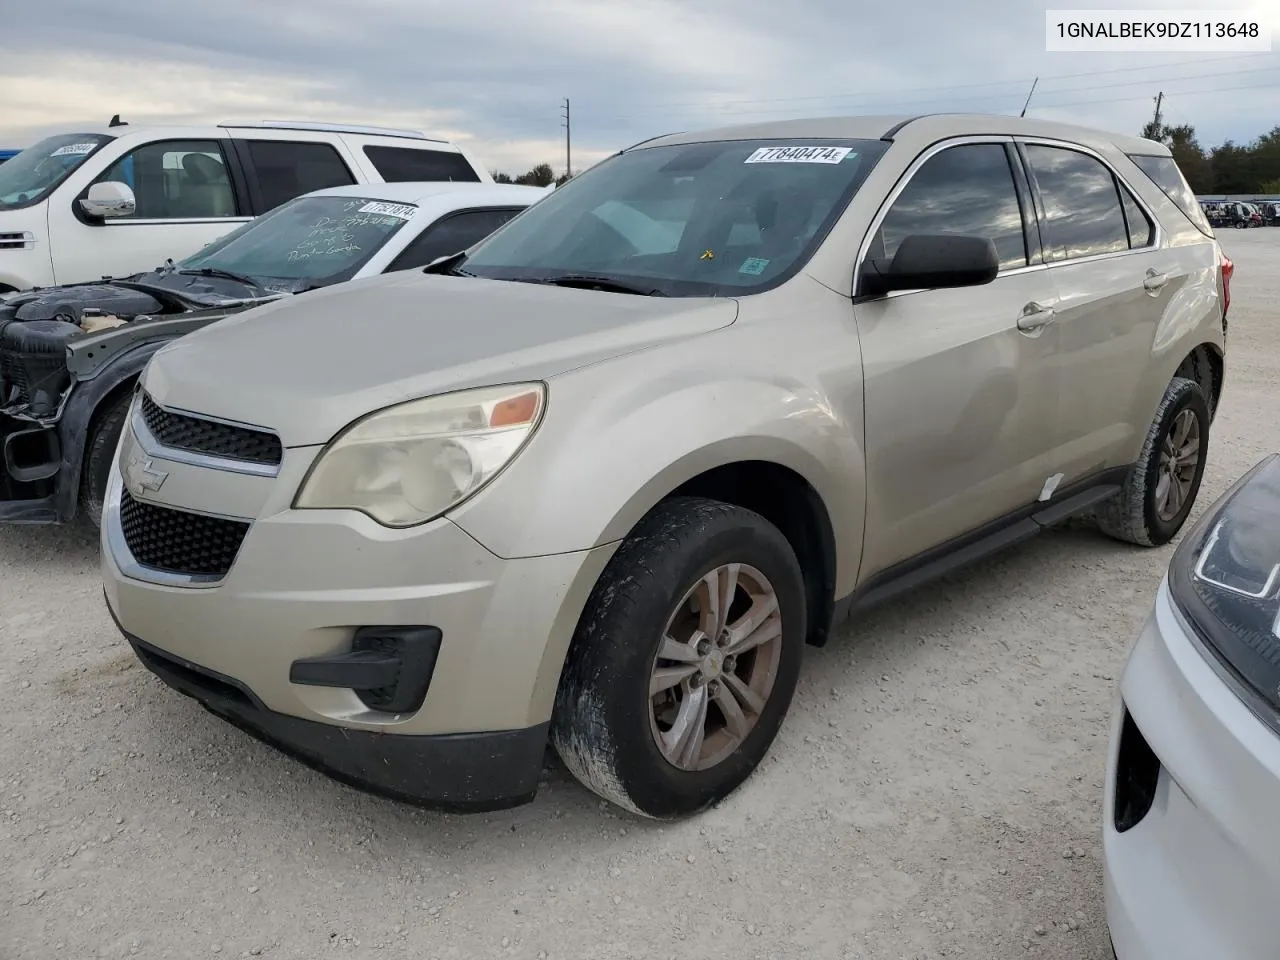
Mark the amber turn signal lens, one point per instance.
(515, 411)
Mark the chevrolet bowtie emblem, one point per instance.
(143, 477)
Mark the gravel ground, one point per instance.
(936, 791)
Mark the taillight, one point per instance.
(1226, 268)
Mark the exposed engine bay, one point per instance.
(36, 327)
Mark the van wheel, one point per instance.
(100, 450)
(685, 660)
(1158, 494)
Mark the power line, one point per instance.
(1178, 93)
(712, 110)
(965, 86)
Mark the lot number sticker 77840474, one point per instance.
(799, 154)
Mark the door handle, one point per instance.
(1035, 317)
(1155, 281)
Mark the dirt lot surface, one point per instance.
(936, 791)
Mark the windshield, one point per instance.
(701, 219)
(31, 175)
(321, 240)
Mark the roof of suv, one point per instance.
(936, 126)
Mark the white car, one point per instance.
(1191, 831)
(79, 206)
(70, 355)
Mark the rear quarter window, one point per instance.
(1164, 173)
(405, 164)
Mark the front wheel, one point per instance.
(100, 451)
(1158, 494)
(684, 661)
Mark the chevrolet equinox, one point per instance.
(596, 481)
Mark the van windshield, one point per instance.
(33, 174)
(719, 218)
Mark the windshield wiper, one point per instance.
(450, 265)
(598, 283)
(224, 274)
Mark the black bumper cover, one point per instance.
(462, 773)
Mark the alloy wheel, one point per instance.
(716, 667)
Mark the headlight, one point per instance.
(1225, 577)
(412, 462)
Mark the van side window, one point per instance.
(289, 169)
(403, 164)
(177, 180)
(1083, 216)
(966, 190)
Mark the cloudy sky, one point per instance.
(492, 73)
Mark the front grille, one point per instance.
(176, 541)
(209, 437)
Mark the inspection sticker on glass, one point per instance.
(403, 211)
(753, 266)
(799, 155)
(74, 150)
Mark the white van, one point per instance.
(81, 206)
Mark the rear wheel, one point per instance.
(1158, 494)
(685, 660)
(100, 450)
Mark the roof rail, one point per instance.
(332, 128)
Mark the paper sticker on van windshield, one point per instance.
(403, 211)
(799, 155)
(74, 150)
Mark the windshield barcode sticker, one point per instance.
(799, 155)
(74, 150)
(404, 211)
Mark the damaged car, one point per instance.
(70, 355)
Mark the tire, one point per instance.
(1135, 514)
(606, 726)
(100, 450)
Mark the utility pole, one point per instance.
(1155, 129)
(1029, 95)
(568, 142)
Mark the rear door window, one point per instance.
(287, 169)
(1142, 232)
(1082, 209)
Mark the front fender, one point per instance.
(604, 455)
(82, 404)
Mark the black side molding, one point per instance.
(977, 544)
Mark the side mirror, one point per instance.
(109, 199)
(927, 262)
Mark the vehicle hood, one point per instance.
(308, 366)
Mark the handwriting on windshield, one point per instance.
(337, 237)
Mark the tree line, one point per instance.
(1231, 168)
(540, 176)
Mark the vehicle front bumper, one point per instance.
(1196, 876)
(304, 582)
